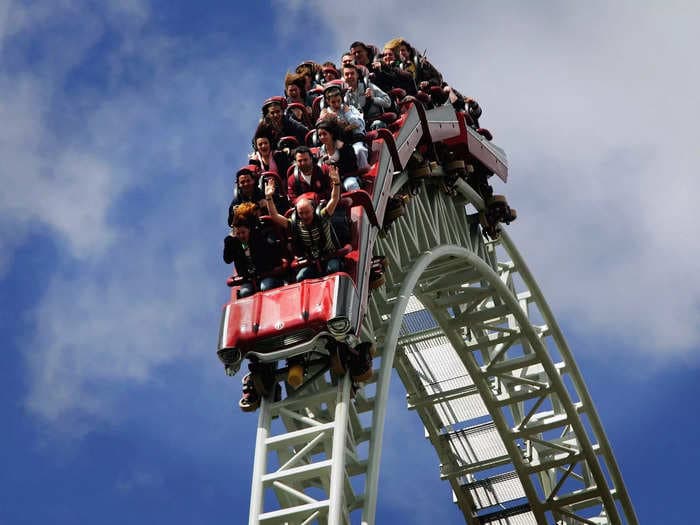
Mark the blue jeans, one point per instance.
(361, 154)
(309, 272)
(246, 289)
(268, 283)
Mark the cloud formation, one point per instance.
(125, 179)
(128, 182)
(595, 106)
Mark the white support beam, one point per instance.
(483, 302)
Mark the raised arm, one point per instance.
(335, 193)
(281, 220)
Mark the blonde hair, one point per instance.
(394, 43)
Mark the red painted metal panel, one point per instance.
(281, 311)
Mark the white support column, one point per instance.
(257, 491)
(337, 510)
(484, 322)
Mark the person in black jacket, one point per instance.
(246, 190)
(267, 158)
(275, 124)
(335, 152)
(257, 254)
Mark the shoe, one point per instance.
(485, 133)
(247, 405)
(250, 400)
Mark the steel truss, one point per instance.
(484, 365)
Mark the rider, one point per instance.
(311, 229)
(306, 176)
(256, 254)
(276, 124)
(349, 118)
(245, 190)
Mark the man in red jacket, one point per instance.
(305, 176)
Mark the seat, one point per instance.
(267, 175)
(361, 198)
(388, 118)
(288, 141)
(423, 98)
(397, 94)
(311, 195)
(316, 108)
(387, 136)
(438, 95)
(311, 139)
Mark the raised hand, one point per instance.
(333, 174)
(270, 188)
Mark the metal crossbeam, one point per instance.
(472, 339)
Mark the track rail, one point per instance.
(484, 365)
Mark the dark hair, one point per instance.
(303, 150)
(350, 66)
(279, 101)
(331, 126)
(260, 133)
(360, 44)
(332, 91)
(245, 171)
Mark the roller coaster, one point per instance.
(432, 282)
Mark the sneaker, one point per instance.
(246, 404)
(250, 400)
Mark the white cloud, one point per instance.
(52, 177)
(138, 188)
(153, 301)
(131, 185)
(595, 105)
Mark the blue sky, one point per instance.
(121, 125)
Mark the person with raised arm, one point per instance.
(311, 230)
